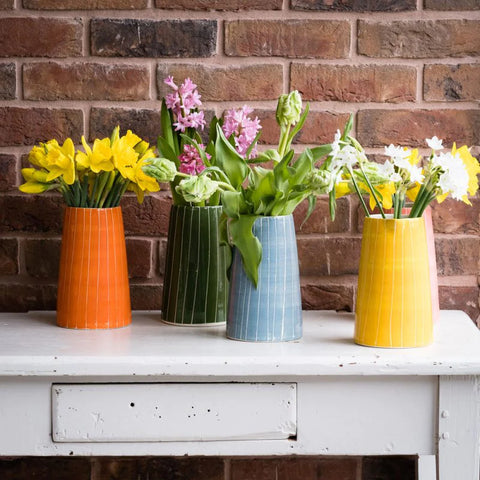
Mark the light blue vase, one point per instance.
(272, 312)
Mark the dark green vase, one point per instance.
(195, 288)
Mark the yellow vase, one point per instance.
(394, 306)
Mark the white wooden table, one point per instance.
(153, 389)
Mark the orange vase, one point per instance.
(93, 290)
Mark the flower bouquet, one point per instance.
(93, 290)
(198, 254)
(395, 286)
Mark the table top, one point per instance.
(32, 345)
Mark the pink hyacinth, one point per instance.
(244, 129)
(183, 102)
(190, 160)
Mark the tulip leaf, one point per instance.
(247, 244)
(228, 159)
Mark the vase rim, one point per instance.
(389, 218)
(197, 206)
(92, 208)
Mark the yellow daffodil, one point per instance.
(125, 158)
(413, 192)
(59, 161)
(142, 182)
(36, 181)
(342, 188)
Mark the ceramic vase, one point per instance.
(195, 290)
(93, 289)
(394, 301)
(272, 312)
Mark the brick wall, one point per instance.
(407, 69)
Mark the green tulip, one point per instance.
(196, 189)
(289, 108)
(161, 169)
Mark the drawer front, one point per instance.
(173, 412)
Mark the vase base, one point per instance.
(390, 347)
(94, 328)
(264, 341)
(201, 325)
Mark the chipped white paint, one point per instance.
(173, 412)
(350, 400)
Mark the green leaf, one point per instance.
(167, 129)
(228, 159)
(321, 151)
(299, 124)
(262, 188)
(267, 156)
(166, 151)
(312, 201)
(347, 128)
(233, 204)
(247, 244)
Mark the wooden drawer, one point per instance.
(173, 412)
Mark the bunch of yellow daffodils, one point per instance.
(96, 177)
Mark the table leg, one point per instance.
(427, 467)
(458, 427)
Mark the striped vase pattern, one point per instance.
(195, 290)
(93, 289)
(272, 312)
(394, 306)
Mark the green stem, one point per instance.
(372, 191)
(362, 201)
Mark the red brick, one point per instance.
(458, 255)
(8, 256)
(329, 293)
(139, 256)
(150, 218)
(449, 5)
(145, 297)
(319, 128)
(287, 38)
(27, 126)
(8, 80)
(40, 37)
(377, 128)
(153, 38)
(355, 5)
(361, 83)
(7, 4)
(419, 38)
(8, 172)
(320, 221)
(85, 4)
(459, 293)
(161, 257)
(31, 213)
(389, 468)
(145, 123)
(326, 255)
(253, 469)
(45, 468)
(42, 257)
(226, 83)
(451, 82)
(231, 5)
(158, 468)
(452, 216)
(85, 81)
